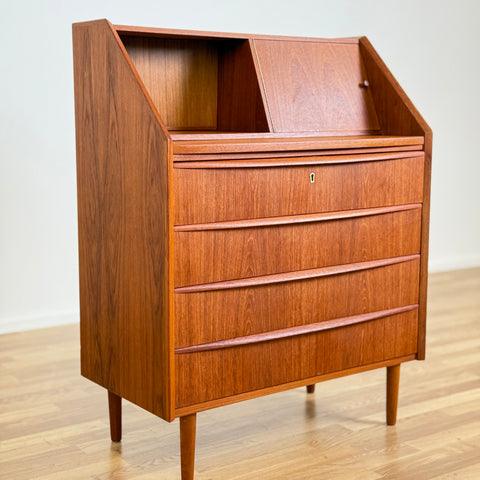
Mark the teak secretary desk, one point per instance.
(253, 217)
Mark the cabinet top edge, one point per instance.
(179, 33)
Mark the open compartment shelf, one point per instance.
(200, 84)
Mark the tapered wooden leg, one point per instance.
(393, 380)
(311, 388)
(188, 427)
(115, 412)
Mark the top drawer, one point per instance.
(220, 191)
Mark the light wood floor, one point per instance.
(54, 423)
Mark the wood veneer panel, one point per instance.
(298, 155)
(424, 245)
(123, 225)
(293, 276)
(295, 331)
(181, 77)
(279, 161)
(221, 143)
(219, 402)
(240, 103)
(205, 376)
(209, 195)
(315, 87)
(216, 255)
(398, 116)
(262, 308)
(294, 219)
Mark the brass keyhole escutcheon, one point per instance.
(312, 177)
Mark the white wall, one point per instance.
(431, 46)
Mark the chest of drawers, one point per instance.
(253, 217)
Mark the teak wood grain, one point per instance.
(294, 219)
(253, 217)
(123, 225)
(295, 331)
(299, 155)
(205, 376)
(398, 116)
(315, 87)
(240, 101)
(182, 78)
(200, 84)
(219, 143)
(201, 316)
(279, 159)
(296, 275)
(209, 195)
(262, 250)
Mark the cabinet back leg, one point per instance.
(393, 380)
(311, 388)
(115, 412)
(188, 425)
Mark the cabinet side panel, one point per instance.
(240, 104)
(396, 113)
(398, 116)
(123, 223)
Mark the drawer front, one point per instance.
(208, 375)
(214, 315)
(205, 195)
(214, 255)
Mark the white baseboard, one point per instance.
(453, 263)
(20, 324)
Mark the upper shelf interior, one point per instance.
(255, 85)
(200, 84)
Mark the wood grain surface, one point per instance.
(268, 142)
(205, 376)
(209, 195)
(292, 246)
(334, 296)
(181, 77)
(123, 225)
(240, 103)
(398, 116)
(201, 316)
(275, 159)
(299, 155)
(295, 331)
(188, 425)
(200, 84)
(54, 423)
(315, 87)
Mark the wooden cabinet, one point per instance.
(253, 217)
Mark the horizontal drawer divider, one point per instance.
(297, 275)
(191, 157)
(295, 219)
(279, 143)
(295, 331)
(296, 161)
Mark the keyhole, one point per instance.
(312, 177)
